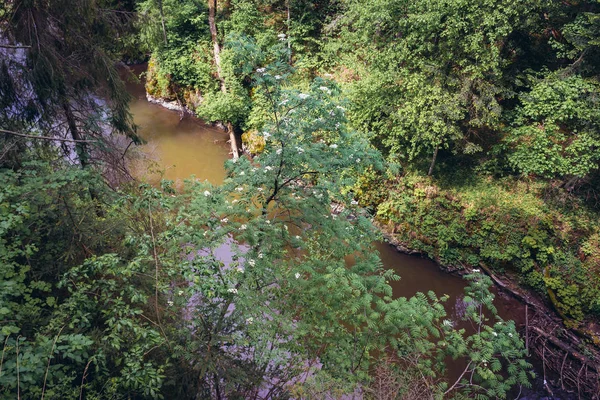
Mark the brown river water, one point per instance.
(181, 148)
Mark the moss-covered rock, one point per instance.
(158, 85)
(253, 142)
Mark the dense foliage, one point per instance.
(137, 300)
(505, 92)
(470, 130)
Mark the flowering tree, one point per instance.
(286, 302)
(280, 287)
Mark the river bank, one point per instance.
(566, 353)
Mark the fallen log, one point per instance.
(567, 349)
(506, 287)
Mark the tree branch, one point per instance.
(8, 46)
(45, 137)
(459, 378)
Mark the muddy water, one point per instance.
(185, 147)
(422, 275)
(179, 147)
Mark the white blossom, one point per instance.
(243, 227)
(206, 193)
(266, 135)
(357, 160)
(180, 293)
(242, 173)
(278, 77)
(475, 270)
(249, 321)
(170, 303)
(260, 255)
(268, 168)
(297, 237)
(333, 146)
(232, 290)
(261, 70)
(239, 188)
(354, 202)
(279, 151)
(225, 220)
(297, 275)
(281, 36)
(303, 96)
(240, 269)
(251, 262)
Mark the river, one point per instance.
(187, 146)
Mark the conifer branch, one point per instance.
(45, 137)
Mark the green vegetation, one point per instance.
(504, 225)
(129, 297)
(471, 130)
(503, 92)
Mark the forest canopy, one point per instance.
(466, 131)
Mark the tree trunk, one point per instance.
(212, 25)
(162, 20)
(80, 147)
(289, 39)
(435, 153)
(81, 150)
(233, 141)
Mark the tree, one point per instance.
(271, 304)
(555, 132)
(61, 78)
(440, 67)
(70, 306)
